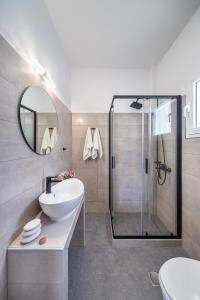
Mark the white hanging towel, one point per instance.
(53, 138)
(87, 151)
(45, 142)
(97, 150)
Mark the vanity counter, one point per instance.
(58, 234)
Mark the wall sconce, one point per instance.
(44, 75)
(37, 68)
(48, 81)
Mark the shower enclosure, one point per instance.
(145, 166)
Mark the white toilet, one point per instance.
(180, 279)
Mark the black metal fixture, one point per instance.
(31, 140)
(49, 181)
(161, 165)
(136, 104)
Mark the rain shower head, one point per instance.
(136, 105)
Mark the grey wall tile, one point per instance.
(128, 164)
(8, 99)
(19, 175)
(26, 204)
(94, 174)
(22, 172)
(12, 143)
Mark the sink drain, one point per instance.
(153, 276)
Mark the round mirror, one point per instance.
(38, 120)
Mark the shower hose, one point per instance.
(162, 167)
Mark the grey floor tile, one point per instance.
(130, 224)
(102, 272)
(97, 229)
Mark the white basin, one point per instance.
(64, 197)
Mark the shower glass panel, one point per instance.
(145, 166)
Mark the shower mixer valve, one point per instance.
(162, 167)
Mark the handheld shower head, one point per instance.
(136, 104)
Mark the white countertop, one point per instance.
(58, 234)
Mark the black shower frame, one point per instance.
(178, 165)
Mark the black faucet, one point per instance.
(49, 181)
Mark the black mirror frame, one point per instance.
(19, 120)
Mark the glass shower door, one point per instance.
(126, 162)
(145, 143)
(149, 227)
(111, 162)
(161, 180)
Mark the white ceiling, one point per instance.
(119, 33)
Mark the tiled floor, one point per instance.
(102, 272)
(137, 224)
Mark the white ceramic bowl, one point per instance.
(65, 196)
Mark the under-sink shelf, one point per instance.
(43, 274)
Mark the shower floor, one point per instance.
(130, 224)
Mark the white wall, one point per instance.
(38, 99)
(26, 25)
(92, 89)
(181, 64)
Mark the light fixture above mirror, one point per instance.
(43, 74)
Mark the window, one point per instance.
(196, 105)
(192, 112)
(162, 119)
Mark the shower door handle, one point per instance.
(113, 162)
(146, 165)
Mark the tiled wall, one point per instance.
(128, 182)
(22, 172)
(166, 194)
(94, 173)
(191, 194)
(127, 142)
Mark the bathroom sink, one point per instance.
(65, 196)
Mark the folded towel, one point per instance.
(97, 150)
(87, 151)
(53, 138)
(45, 142)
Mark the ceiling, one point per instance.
(119, 33)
